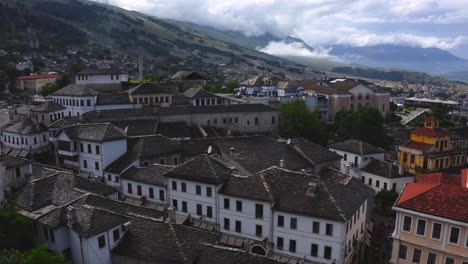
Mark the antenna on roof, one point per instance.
(210, 148)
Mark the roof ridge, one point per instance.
(266, 186)
(333, 201)
(177, 242)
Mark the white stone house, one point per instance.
(24, 137)
(14, 173)
(101, 76)
(302, 224)
(146, 183)
(91, 147)
(382, 175)
(356, 154)
(193, 187)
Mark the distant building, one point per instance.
(430, 149)
(428, 103)
(351, 95)
(81, 98)
(153, 94)
(35, 82)
(47, 112)
(198, 96)
(432, 222)
(24, 137)
(102, 79)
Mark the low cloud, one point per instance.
(422, 23)
(297, 49)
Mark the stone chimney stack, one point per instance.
(71, 216)
(282, 163)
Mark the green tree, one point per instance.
(298, 121)
(440, 111)
(231, 85)
(366, 124)
(36, 255)
(344, 124)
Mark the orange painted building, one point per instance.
(432, 221)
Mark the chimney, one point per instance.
(311, 189)
(71, 216)
(282, 163)
(231, 151)
(464, 178)
(171, 212)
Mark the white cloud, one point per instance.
(298, 49)
(425, 23)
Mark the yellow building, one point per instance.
(430, 149)
(432, 223)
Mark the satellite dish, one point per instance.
(288, 141)
(210, 149)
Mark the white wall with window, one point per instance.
(307, 237)
(29, 142)
(152, 193)
(76, 105)
(253, 217)
(379, 183)
(352, 163)
(193, 198)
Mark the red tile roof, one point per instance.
(442, 200)
(417, 145)
(439, 177)
(430, 132)
(38, 76)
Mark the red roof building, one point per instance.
(35, 82)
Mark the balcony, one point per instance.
(71, 164)
(67, 148)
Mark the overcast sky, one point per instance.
(425, 23)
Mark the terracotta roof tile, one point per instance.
(442, 200)
(417, 145)
(430, 132)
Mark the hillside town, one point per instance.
(112, 169)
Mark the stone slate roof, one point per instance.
(152, 174)
(314, 152)
(76, 90)
(26, 127)
(198, 92)
(118, 207)
(112, 99)
(356, 147)
(188, 75)
(94, 132)
(13, 162)
(101, 71)
(91, 221)
(384, 169)
(120, 114)
(234, 108)
(65, 122)
(41, 170)
(152, 241)
(139, 127)
(312, 195)
(219, 254)
(153, 88)
(203, 168)
(48, 106)
(174, 129)
(58, 189)
(144, 147)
